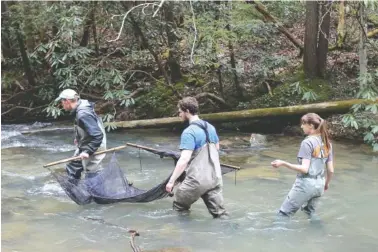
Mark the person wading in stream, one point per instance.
(89, 134)
(314, 154)
(199, 157)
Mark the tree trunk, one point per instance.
(242, 115)
(362, 46)
(311, 37)
(147, 45)
(174, 57)
(6, 47)
(323, 38)
(94, 28)
(87, 27)
(341, 25)
(24, 56)
(28, 29)
(218, 69)
(239, 90)
(238, 87)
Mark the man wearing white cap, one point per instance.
(89, 134)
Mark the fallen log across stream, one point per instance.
(332, 107)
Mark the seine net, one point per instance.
(110, 184)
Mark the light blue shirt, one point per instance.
(194, 137)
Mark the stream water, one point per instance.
(36, 215)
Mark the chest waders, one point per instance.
(92, 164)
(307, 188)
(203, 180)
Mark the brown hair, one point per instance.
(188, 104)
(321, 125)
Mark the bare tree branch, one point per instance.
(161, 4)
(28, 109)
(141, 71)
(135, 92)
(195, 31)
(212, 97)
(125, 16)
(322, 20)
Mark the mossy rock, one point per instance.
(235, 141)
(285, 94)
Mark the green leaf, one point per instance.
(374, 129)
(375, 147)
(368, 137)
(354, 124)
(373, 108)
(356, 107)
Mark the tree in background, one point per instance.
(317, 28)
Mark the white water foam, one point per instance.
(24, 176)
(50, 189)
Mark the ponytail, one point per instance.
(325, 136)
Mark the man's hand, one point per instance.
(84, 155)
(169, 186)
(75, 141)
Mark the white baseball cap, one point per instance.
(67, 94)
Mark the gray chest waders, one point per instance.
(307, 188)
(203, 180)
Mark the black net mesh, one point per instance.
(110, 184)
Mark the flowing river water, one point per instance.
(36, 214)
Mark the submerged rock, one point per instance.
(234, 142)
(257, 140)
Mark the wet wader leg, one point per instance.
(297, 196)
(74, 169)
(214, 202)
(310, 207)
(93, 163)
(185, 196)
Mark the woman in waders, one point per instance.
(314, 154)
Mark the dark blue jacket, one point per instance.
(89, 131)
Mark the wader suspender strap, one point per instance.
(321, 155)
(207, 137)
(321, 145)
(204, 128)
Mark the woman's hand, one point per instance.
(326, 186)
(277, 163)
